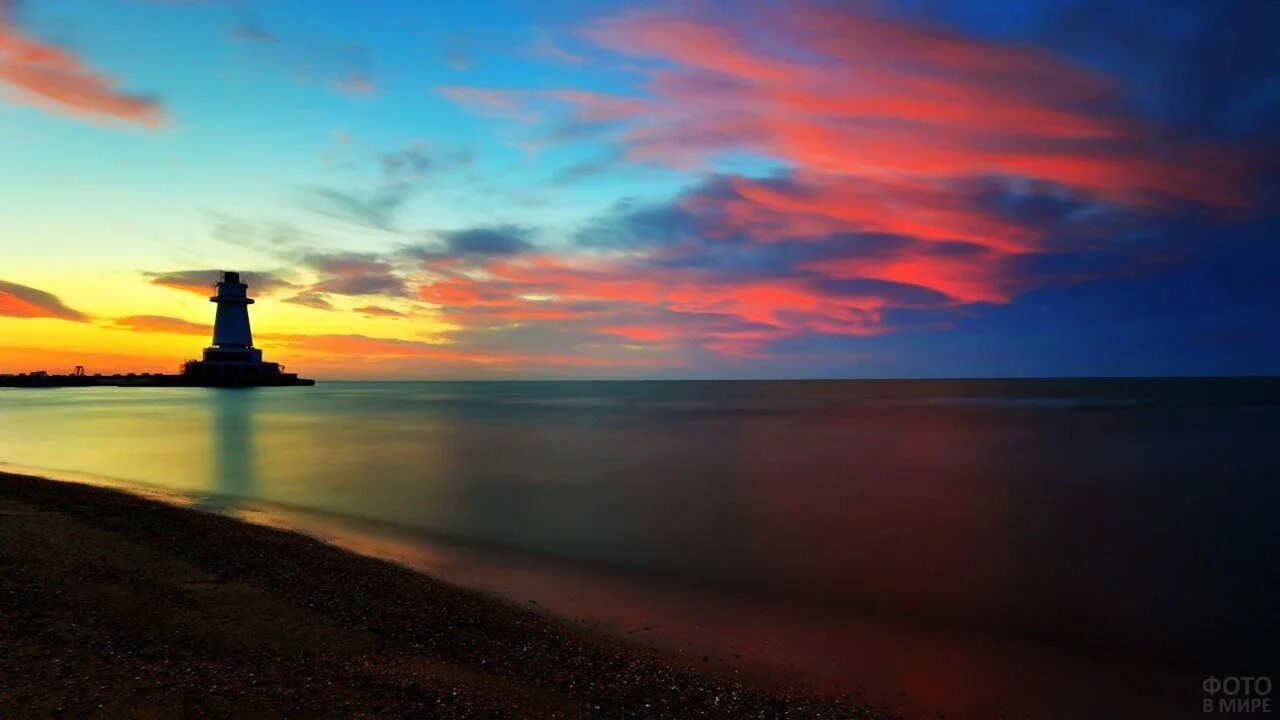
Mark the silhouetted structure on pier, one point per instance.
(231, 361)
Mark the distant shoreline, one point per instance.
(131, 379)
(128, 607)
(46, 380)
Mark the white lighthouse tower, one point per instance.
(232, 360)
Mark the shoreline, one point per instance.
(122, 606)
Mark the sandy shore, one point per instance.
(117, 606)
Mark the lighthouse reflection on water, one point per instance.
(233, 470)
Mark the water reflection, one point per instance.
(232, 477)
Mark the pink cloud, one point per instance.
(48, 77)
(630, 299)
(886, 129)
(876, 98)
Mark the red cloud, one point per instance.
(641, 334)
(162, 324)
(27, 302)
(876, 98)
(46, 76)
(727, 315)
(820, 204)
(888, 131)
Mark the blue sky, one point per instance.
(646, 190)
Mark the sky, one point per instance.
(423, 190)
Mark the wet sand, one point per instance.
(113, 605)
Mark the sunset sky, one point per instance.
(695, 189)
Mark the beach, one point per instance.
(114, 605)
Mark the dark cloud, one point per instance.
(501, 240)
(348, 274)
(895, 294)
(402, 175)
(355, 274)
(27, 302)
(201, 282)
(630, 224)
(267, 237)
(586, 170)
(411, 162)
(345, 68)
(362, 284)
(310, 299)
(248, 29)
(379, 311)
(377, 208)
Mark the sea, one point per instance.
(1064, 548)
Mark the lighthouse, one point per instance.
(232, 338)
(232, 360)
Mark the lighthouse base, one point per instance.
(217, 373)
(237, 367)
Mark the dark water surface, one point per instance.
(1073, 548)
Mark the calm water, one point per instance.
(1049, 548)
